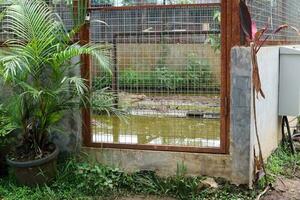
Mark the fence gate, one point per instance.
(165, 75)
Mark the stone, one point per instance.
(208, 183)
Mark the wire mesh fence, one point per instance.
(165, 72)
(276, 13)
(166, 65)
(117, 3)
(63, 8)
(4, 33)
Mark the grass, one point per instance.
(83, 180)
(283, 163)
(89, 180)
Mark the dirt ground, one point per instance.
(145, 198)
(284, 189)
(139, 197)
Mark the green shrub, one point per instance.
(130, 78)
(163, 78)
(197, 75)
(102, 81)
(198, 72)
(36, 66)
(6, 128)
(282, 163)
(214, 40)
(6, 125)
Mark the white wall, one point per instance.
(268, 120)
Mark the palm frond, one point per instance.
(98, 52)
(11, 65)
(78, 84)
(31, 20)
(37, 64)
(104, 101)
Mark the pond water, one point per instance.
(156, 130)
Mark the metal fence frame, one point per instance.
(229, 37)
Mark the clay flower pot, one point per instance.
(35, 172)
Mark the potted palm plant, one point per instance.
(35, 65)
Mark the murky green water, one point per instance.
(157, 130)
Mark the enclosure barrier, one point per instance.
(272, 14)
(170, 68)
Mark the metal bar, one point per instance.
(225, 25)
(235, 39)
(84, 37)
(230, 36)
(103, 8)
(157, 148)
(156, 33)
(280, 42)
(169, 147)
(161, 33)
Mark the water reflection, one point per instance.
(157, 131)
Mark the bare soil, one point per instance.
(284, 189)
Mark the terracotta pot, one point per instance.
(35, 172)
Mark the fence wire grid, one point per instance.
(119, 3)
(165, 72)
(276, 13)
(166, 66)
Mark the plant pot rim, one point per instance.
(33, 163)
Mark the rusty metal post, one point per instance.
(84, 38)
(230, 36)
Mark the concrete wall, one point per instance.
(234, 166)
(238, 166)
(69, 138)
(242, 112)
(268, 121)
(164, 163)
(144, 57)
